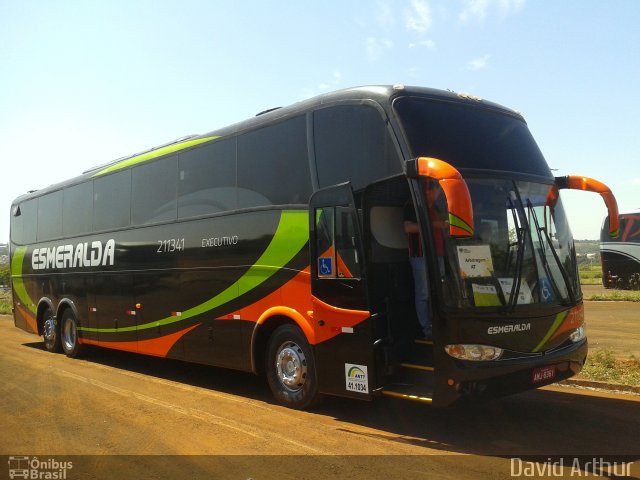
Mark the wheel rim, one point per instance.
(69, 335)
(291, 366)
(49, 329)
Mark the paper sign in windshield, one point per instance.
(475, 261)
(485, 295)
(524, 293)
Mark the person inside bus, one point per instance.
(416, 256)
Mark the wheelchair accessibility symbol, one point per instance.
(325, 267)
(546, 291)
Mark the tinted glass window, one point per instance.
(154, 191)
(24, 222)
(629, 229)
(207, 179)
(470, 137)
(353, 144)
(112, 201)
(273, 166)
(50, 216)
(77, 209)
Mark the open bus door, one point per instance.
(344, 352)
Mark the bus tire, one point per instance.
(51, 331)
(290, 368)
(71, 345)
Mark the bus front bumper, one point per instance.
(471, 380)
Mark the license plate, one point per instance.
(544, 374)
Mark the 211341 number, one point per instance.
(170, 245)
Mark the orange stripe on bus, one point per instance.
(29, 318)
(158, 347)
(294, 301)
(574, 319)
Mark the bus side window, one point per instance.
(24, 222)
(325, 246)
(50, 216)
(336, 243)
(154, 188)
(112, 201)
(346, 250)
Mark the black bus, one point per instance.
(620, 256)
(277, 246)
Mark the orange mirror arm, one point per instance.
(456, 192)
(576, 182)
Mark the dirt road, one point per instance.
(614, 326)
(113, 403)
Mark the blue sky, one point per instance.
(85, 82)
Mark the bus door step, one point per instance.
(416, 393)
(417, 366)
(413, 381)
(421, 356)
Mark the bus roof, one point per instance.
(381, 94)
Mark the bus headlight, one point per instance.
(578, 334)
(477, 353)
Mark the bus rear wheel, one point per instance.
(69, 335)
(51, 331)
(291, 370)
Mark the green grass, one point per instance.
(590, 273)
(604, 366)
(5, 303)
(615, 296)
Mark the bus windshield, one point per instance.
(522, 251)
(470, 137)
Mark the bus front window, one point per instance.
(522, 251)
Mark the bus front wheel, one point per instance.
(51, 332)
(291, 370)
(69, 335)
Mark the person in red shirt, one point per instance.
(416, 255)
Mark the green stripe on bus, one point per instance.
(290, 236)
(556, 324)
(16, 279)
(154, 154)
(458, 222)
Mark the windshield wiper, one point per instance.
(547, 268)
(521, 233)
